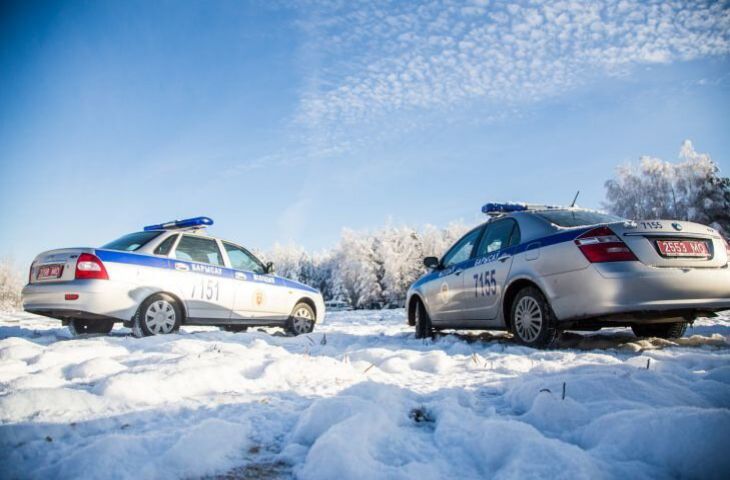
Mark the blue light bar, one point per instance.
(492, 208)
(185, 223)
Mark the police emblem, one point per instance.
(258, 298)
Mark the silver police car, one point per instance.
(537, 270)
(165, 276)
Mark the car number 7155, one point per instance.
(485, 284)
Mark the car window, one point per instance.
(132, 242)
(500, 234)
(462, 249)
(198, 249)
(242, 260)
(166, 245)
(578, 218)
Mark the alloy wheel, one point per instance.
(528, 319)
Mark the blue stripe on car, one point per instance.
(115, 256)
(566, 236)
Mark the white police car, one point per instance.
(537, 270)
(165, 276)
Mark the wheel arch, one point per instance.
(411, 312)
(309, 302)
(183, 307)
(511, 293)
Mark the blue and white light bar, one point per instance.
(495, 208)
(185, 223)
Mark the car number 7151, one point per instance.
(205, 289)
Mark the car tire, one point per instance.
(660, 330)
(533, 322)
(82, 327)
(301, 321)
(158, 315)
(422, 321)
(234, 328)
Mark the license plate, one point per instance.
(683, 248)
(49, 271)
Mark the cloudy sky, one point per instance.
(288, 121)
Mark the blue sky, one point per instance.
(286, 123)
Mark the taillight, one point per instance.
(89, 266)
(603, 245)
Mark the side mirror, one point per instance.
(269, 267)
(432, 263)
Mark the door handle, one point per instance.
(457, 273)
(504, 259)
(240, 276)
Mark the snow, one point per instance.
(361, 398)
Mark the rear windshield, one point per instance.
(578, 218)
(131, 242)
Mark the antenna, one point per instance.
(574, 199)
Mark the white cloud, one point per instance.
(384, 57)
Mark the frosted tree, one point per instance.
(357, 269)
(401, 251)
(691, 189)
(366, 268)
(10, 285)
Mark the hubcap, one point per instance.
(302, 320)
(528, 319)
(160, 317)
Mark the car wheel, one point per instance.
(660, 330)
(533, 321)
(158, 315)
(234, 328)
(424, 327)
(81, 327)
(301, 320)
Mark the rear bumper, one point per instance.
(65, 314)
(97, 299)
(632, 291)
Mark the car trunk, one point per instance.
(56, 265)
(668, 243)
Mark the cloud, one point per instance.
(380, 58)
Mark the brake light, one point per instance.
(603, 245)
(89, 266)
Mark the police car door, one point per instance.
(206, 285)
(492, 264)
(254, 294)
(448, 295)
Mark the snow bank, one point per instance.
(361, 398)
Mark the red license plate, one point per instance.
(683, 248)
(49, 271)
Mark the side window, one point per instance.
(462, 249)
(198, 249)
(242, 260)
(500, 234)
(166, 245)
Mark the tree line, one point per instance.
(370, 269)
